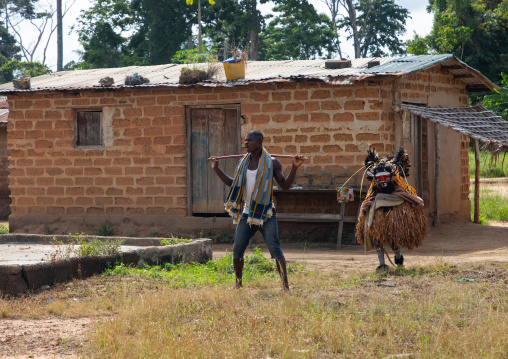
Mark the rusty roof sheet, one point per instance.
(256, 71)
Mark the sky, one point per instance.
(420, 22)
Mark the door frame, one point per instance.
(188, 126)
(416, 133)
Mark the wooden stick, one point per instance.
(238, 156)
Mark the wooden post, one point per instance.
(476, 182)
(435, 222)
(341, 225)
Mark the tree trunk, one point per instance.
(333, 6)
(200, 43)
(253, 35)
(59, 35)
(350, 8)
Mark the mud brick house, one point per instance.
(138, 154)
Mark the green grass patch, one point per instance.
(4, 229)
(493, 207)
(489, 168)
(194, 274)
(174, 240)
(81, 246)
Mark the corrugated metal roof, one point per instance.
(168, 75)
(408, 64)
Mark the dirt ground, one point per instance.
(450, 243)
(456, 242)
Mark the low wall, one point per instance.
(17, 279)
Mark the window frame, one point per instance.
(76, 125)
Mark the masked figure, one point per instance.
(391, 214)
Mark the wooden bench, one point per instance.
(319, 217)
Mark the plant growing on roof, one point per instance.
(190, 2)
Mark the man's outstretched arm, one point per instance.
(283, 181)
(228, 181)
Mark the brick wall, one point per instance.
(333, 126)
(437, 87)
(5, 200)
(142, 173)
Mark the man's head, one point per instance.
(253, 141)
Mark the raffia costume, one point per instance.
(391, 214)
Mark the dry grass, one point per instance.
(430, 314)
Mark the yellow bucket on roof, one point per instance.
(234, 70)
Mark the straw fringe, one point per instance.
(403, 226)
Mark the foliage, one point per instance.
(418, 45)
(104, 230)
(381, 24)
(498, 102)
(14, 69)
(493, 205)
(233, 24)
(473, 30)
(491, 167)
(193, 274)
(174, 240)
(78, 245)
(138, 32)
(451, 37)
(297, 32)
(9, 49)
(376, 28)
(192, 57)
(4, 229)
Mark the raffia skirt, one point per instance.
(403, 226)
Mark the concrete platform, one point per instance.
(30, 253)
(26, 261)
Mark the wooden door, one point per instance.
(215, 131)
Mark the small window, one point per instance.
(89, 129)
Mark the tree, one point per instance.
(474, 31)
(418, 45)
(374, 26)
(234, 24)
(22, 14)
(498, 102)
(14, 68)
(59, 35)
(8, 47)
(298, 32)
(200, 40)
(133, 32)
(334, 7)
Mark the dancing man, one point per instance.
(250, 203)
(391, 214)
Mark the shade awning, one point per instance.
(475, 122)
